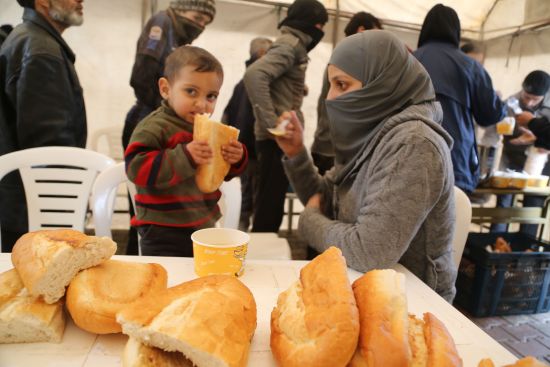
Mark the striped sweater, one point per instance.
(164, 174)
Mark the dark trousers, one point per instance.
(9, 238)
(271, 187)
(505, 201)
(322, 162)
(166, 241)
(247, 194)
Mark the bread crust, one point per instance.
(209, 177)
(137, 354)
(441, 347)
(96, 294)
(382, 303)
(213, 315)
(47, 260)
(316, 322)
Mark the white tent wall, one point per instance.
(508, 66)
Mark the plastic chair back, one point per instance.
(230, 204)
(57, 182)
(111, 137)
(463, 217)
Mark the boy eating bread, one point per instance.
(162, 157)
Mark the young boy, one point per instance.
(162, 156)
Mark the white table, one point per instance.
(266, 279)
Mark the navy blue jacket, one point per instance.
(465, 92)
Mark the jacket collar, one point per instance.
(304, 38)
(32, 16)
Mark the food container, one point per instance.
(219, 251)
(500, 180)
(537, 181)
(506, 126)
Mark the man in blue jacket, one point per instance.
(463, 88)
(41, 102)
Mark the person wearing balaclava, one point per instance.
(275, 83)
(179, 25)
(41, 99)
(534, 106)
(321, 149)
(463, 87)
(389, 197)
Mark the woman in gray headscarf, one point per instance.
(389, 197)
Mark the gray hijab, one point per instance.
(392, 81)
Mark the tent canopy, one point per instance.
(480, 19)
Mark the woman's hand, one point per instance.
(200, 151)
(292, 143)
(233, 152)
(314, 202)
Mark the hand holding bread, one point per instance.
(212, 169)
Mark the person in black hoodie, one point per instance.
(239, 113)
(275, 84)
(463, 88)
(41, 101)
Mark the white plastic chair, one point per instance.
(111, 137)
(463, 217)
(57, 182)
(103, 197)
(230, 204)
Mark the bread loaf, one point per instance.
(47, 261)
(524, 362)
(137, 354)
(391, 338)
(27, 319)
(382, 303)
(96, 294)
(210, 176)
(315, 322)
(210, 320)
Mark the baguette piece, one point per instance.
(47, 261)
(382, 303)
(96, 294)
(26, 319)
(137, 354)
(210, 176)
(524, 362)
(316, 322)
(210, 320)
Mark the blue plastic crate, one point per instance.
(493, 284)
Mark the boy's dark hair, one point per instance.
(202, 60)
(537, 83)
(367, 20)
(471, 47)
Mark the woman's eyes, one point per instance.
(341, 85)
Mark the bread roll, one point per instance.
(47, 261)
(441, 346)
(27, 319)
(210, 320)
(96, 294)
(316, 320)
(137, 354)
(382, 303)
(210, 176)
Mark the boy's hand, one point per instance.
(200, 151)
(232, 152)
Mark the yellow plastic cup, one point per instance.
(219, 251)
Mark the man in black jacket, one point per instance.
(41, 102)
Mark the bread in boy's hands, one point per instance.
(315, 322)
(96, 294)
(210, 320)
(24, 318)
(47, 261)
(210, 176)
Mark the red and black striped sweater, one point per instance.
(164, 173)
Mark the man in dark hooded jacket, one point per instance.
(463, 88)
(41, 101)
(275, 84)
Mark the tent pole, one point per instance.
(482, 31)
(336, 24)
